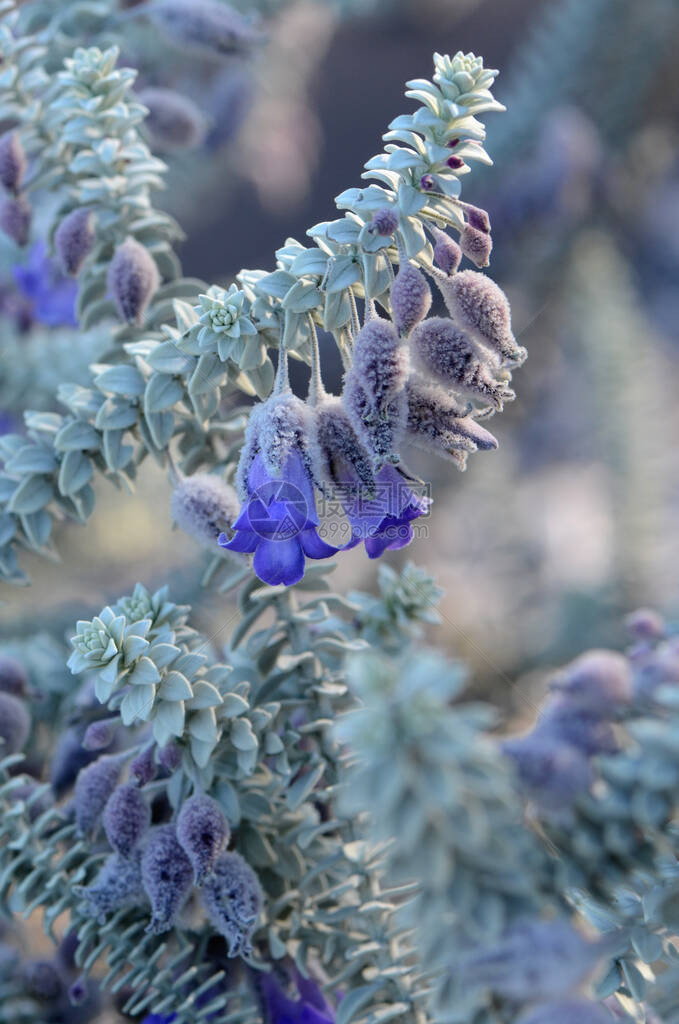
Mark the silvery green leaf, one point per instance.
(203, 726)
(209, 373)
(77, 436)
(205, 695)
(201, 751)
(162, 392)
(32, 494)
(137, 704)
(302, 296)
(277, 284)
(144, 673)
(161, 427)
(121, 380)
(354, 1001)
(242, 736)
(31, 459)
(75, 472)
(343, 272)
(116, 414)
(175, 686)
(116, 454)
(168, 721)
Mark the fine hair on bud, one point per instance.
(447, 253)
(132, 279)
(117, 885)
(232, 897)
(276, 428)
(127, 817)
(203, 832)
(73, 240)
(13, 677)
(337, 445)
(477, 218)
(444, 351)
(143, 767)
(476, 303)
(476, 245)
(15, 724)
(203, 506)
(209, 25)
(100, 735)
(13, 162)
(380, 363)
(380, 432)
(93, 787)
(440, 424)
(167, 876)
(15, 219)
(410, 298)
(174, 121)
(600, 681)
(385, 221)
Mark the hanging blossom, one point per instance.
(51, 294)
(278, 522)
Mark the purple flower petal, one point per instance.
(279, 561)
(314, 546)
(244, 541)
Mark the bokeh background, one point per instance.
(544, 545)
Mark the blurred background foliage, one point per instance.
(542, 547)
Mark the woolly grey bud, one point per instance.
(410, 298)
(15, 724)
(385, 221)
(533, 960)
(166, 875)
(206, 24)
(143, 767)
(170, 756)
(600, 681)
(93, 787)
(73, 240)
(132, 279)
(380, 433)
(337, 445)
(42, 979)
(439, 424)
(15, 219)
(478, 218)
(13, 162)
(68, 758)
(565, 722)
(476, 303)
(476, 245)
(203, 832)
(117, 885)
(233, 897)
(277, 428)
(443, 350)
(447, 253)
(13, 677)
(204, 506)
(644, 624)
(567, 1011)
(127, 816)
(99, 735)
(173, 121)
(554, 774)
(380, 362)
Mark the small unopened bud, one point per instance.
(99, 735)
(455, 162)
(42, 979)
(476, 303)
(410, 298)
(204, 506)
(478, 218)
(443, 350)
(15, 219)
(476, 245)
(643, 624)
(13, 677)
(117, 885)
(132, 279)
(385, 221)
(439, 424)
(13, 162)
(600, 681)
(167, 876)
(427, 182)
(170, 756)
(447, 253)
(233, 899)
(126, 818)
(203, 832)
(73, 240)
(338, 447)
(93, 787)
(15, 724)
(143, 767)
(174, 121)
(380, 361)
